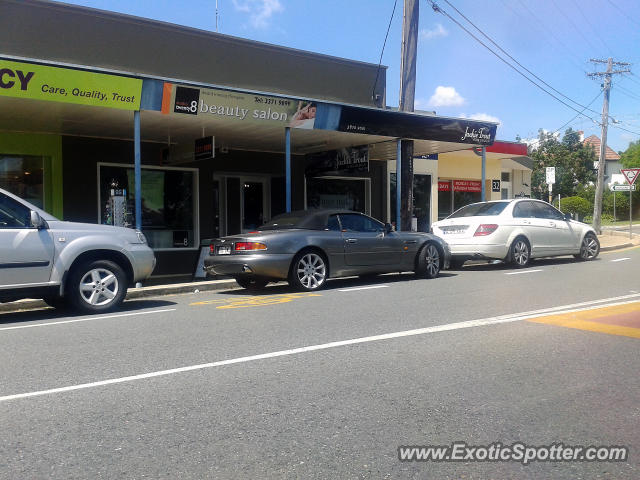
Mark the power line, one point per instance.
(595, 30)
(373, 90)
(516, 61)
(436, 8)
(573, 24)
(623, 13)
(576, 116)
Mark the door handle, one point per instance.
(351, 240)
(526, 222)
(553, 224)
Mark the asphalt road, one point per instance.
(329, 385)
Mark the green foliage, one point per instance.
(572, 159)
(630, 158)
(622, 204)
(605, 217)
(576, 206)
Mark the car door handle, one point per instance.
(352, 240)
(553, 224)
(526, 222)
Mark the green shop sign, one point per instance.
(40, 82)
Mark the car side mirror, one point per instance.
(388, 228)
(568, 216)
(37, 221)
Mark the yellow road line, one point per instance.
(584, 320)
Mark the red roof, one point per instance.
(595, 141)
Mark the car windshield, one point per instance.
(480, 209)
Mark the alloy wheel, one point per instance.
(432, 261)
(521, 253)
(311, 271)
(590, 248)
(98, 286)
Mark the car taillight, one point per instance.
(245, 246)
(485, 229)
(212, 250)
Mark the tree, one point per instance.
(630, 158)
(573, 161)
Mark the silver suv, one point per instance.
(86, 266)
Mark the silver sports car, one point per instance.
(308, 247)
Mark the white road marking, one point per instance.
(621, 259)
(523, 271)
(515, 317)
(361, 288)
(86, 319)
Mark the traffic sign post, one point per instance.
(551, 179)
(630, 175)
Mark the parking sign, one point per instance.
(551, 175)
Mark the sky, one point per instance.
(456, 75)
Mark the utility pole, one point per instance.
(406, 104)
(597, 204)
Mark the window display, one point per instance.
(23, 176)
(168, 203)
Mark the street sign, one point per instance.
(495, 186)
(631, 174)
(551, 175)
(622, 188)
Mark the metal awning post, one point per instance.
(137, 168)
(484, 174)
(398, 185)
(287, 137)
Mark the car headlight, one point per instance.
(141, 237)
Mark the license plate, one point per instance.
(456, 231)
(224, 249)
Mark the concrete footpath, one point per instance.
(609, 240)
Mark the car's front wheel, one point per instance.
(589, 248)
(97, 286)
(520, 252)
(428, 263)
(309, 271)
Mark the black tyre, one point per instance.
(429, 261)
(520, 252)
(252, 283)
(309, 271)
(97, 286)
(589, 248)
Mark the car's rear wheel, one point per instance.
(309, 271)
(428, 264)
(252, 283)
(520, 252)
(589, 248)
(97, 286)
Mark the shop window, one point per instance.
(168, 203)
(23, 176)
(339, 193)
(421, 200)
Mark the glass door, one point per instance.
(253, 212)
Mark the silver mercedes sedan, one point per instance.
(308, 247)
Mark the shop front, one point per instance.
(187, 152)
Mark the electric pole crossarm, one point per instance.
(597, 204)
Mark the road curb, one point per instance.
(133, 293)
(616, 247)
